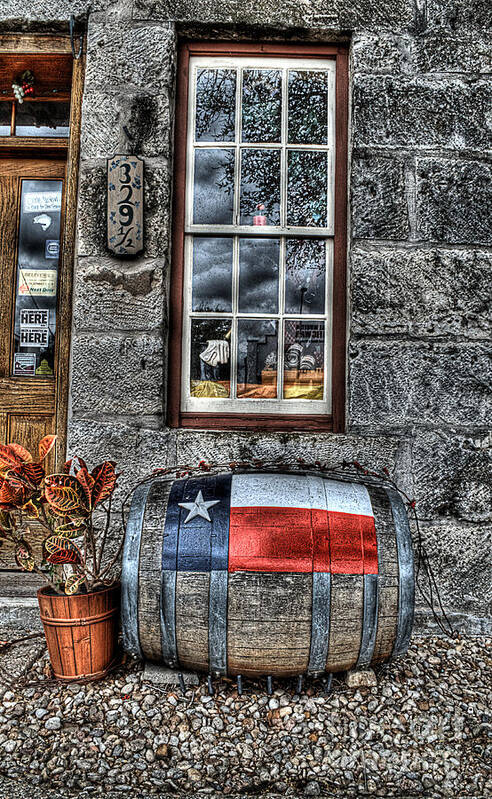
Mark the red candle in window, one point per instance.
(259, 219)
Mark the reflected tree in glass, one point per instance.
(307, 188)
(260, 184)
(262, 105)
(308, 107)
(214, 186)
(305, 268)
(215, 104)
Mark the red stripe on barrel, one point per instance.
(266, 539)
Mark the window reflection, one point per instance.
(214, 187)
(307, 188)
(215, 104)
(304, 344)
(308, 107)
(42, 119)
(305, 268)
(212, 274)
(257, 359)
(5, 118)
(262, 105)
(37, 276)
(258, 275)
(210, 370)
(260, 186)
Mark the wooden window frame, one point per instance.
(334, 422)
(38, 46)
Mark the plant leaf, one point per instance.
(31, 510)
(86, 480)
(72, 529)
(59, 550)
(65, 494)
(45, 446)
(12, 455)
(73, 465)
(24, 557)
(104, 481)
(73, 583)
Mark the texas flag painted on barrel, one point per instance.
(294, 523)
(264, 522)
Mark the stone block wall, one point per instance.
(418, 367)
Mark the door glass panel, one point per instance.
(260, 187)
(258, 275)
(257, 359)
(210, 370)
(304, 358)
(305, 267)
(262, 105)
(37, 277)
(5, 118)
(215, 104)
(212, 274)
(308, 107)
(42, 119)
(307, 188)
(214, 187)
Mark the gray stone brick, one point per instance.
(459, 555)
(91, 215)
(148, 121)
(117, 374)
(339, 15)
(101, 124)
(421, 292)
(122, 296)
(219, 447)
(136, 450)
(382, 53)
(423, 112)
(454, 201)
(398, 384)
(379, 207)
(453, 475)
(458, 17)
(125, 57)
(45, 11)
(157, 209)
(440, 51)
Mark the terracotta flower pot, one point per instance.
(81, 632)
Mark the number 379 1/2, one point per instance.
(125, 204)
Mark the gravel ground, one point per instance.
(421, 732)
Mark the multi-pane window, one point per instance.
(258, 232)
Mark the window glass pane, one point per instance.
(42, 119)
(260, 187)
(257, 359)
(212, 274)
(215, 104)
(5, 117)
(210, 370)
(308, 107)
(305, 267)
(304, 360)
(214, 187)
(307, 188)
(258, 275)
(37, 272)
(262, 105)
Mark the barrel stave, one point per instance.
(192, 591)
(347, 596)
(387, 575)
(269, 623)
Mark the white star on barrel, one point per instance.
(198, 508)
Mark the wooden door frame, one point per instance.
(11, 44)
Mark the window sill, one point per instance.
(237, 421)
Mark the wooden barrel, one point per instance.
(266, 574)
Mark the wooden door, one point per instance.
(31, 203)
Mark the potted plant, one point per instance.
(79, 606)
